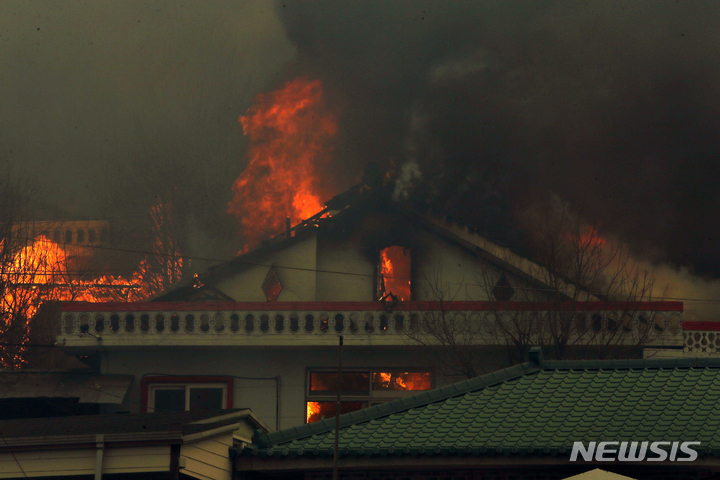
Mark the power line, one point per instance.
(13, 454)
(312, 270)
(336, 272)
(233, 261)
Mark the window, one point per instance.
(393, 273)
(80, 235)
(177, 394)
(91, 236)
(68, 236)
(359, 389)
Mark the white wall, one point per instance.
(208, 459)
(298, 280)
(437, 262)
(290, 363)
(344, 256)
(340, 266)
(81, 461)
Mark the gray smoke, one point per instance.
(611, 105)
(109, 104)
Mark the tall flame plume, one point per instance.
(291, 133)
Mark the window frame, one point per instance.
(154, 382)
(374, 397)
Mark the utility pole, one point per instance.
(336, 454)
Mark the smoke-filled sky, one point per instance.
(488, 106)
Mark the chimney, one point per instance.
(535, 356)
(288, 230)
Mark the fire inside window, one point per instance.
(394, 270)
(360, 389)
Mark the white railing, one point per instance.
(701, 339)
(199, 324)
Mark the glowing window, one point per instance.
(394, 272)
(360, 389)
(410, 381)
(353, 383)
(319, 410)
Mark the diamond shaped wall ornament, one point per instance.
(271, 285)
(503, 291)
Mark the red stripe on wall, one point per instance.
(712, 326)
(365, 306)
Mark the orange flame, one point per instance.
(402, 380)
(290, 133)
(313, 411)
(386, 267)
(40, 271)
(395, 270)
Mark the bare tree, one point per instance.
(582, 297)
(32, 269)
(164, 265)
(35, 269)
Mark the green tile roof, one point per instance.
(535, 408)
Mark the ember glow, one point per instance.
(40, 272)
(395, 271)
(590, 238)
(290, 134)
(45, 270)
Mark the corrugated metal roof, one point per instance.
(88, 387)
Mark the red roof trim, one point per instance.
(712, 326)
(363, 306)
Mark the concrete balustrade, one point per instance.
(92, 325)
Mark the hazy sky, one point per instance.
(613, 106)
(90, 86)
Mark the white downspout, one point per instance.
(100, 445)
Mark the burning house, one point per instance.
(402, 285)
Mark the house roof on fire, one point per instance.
(538, 408)
(346, 207)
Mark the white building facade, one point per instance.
(262, 331)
